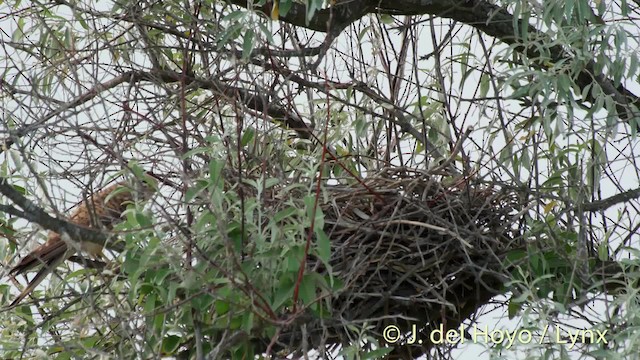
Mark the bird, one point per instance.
(102, 209)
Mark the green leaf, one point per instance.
(19, 189)
(205, 221)
(139, 173)
(265, 31)
(514, 256)
(18, 34)
(230, 34)
(247, 47)
(525, 159)
(194, 191)
(160, 275)
(202, 303)
(285, 6)
(222, 307)
(283, 292)
(485, 81)
(234, 16)
(248, 136)
(307, 290)
(114, 193)
(513, 308)
(170, 344)
(377, 353)
(521, 91)
(386, 19)
(143, 220)
(323, 245)
(363, 32)
(633, 65)
(293, 258)
(78, 16)
(195, 151)
(247, 321)
(150, 303)
(270, 182)
(282, 214)
(215, 171)
(158, 322)
(603, 251)
(68, 38)
(310, 205)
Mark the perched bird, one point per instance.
(102, 209)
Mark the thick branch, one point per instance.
(36, 214)
(610, 201)
(489, 18)
(499, 23)
(334, 19)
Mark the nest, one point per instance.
(413, 251)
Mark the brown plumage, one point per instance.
(101, 210)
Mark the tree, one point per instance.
(334, 177)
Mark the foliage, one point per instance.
(256, 126)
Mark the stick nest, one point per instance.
(412, 250)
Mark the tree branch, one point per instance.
(610, 201)
(36, 214)
(491, 19)
(333, 19)
(252, 100)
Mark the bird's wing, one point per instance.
(50, 255)
(106, 209)
(42, 255)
